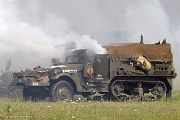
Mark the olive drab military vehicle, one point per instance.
(5, 84)
(129, 71)
(6, 89)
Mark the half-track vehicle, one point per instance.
(129, 71)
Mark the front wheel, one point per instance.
(61, 91)
(16, 92)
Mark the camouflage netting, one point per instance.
(150, 51)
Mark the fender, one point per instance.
(70, 79)
(60, 75)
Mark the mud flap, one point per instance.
(169, 88)
(168, 93)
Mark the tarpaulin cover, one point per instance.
(150, 51)
(143, 63)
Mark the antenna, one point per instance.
(141, 42)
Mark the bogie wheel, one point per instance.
(117, 88)
(16, 92)
(159, 90)
(61, 91)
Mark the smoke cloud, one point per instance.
(29, 40)
(30, 30)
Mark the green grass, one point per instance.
(157, 110)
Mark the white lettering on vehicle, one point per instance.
(35, 83)
(99, 77)
(69, 71)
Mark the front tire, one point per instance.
(61, 91)
(16, 92)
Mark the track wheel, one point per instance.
(159, 90)
(61, 91)
(117, 90)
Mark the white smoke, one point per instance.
(29, 30)
(176, 46)
(28, 44)
(150, 19)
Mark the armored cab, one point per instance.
(129, 71)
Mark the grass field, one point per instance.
(157, 110)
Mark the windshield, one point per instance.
(80, 57)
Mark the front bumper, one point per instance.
(17, 81)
